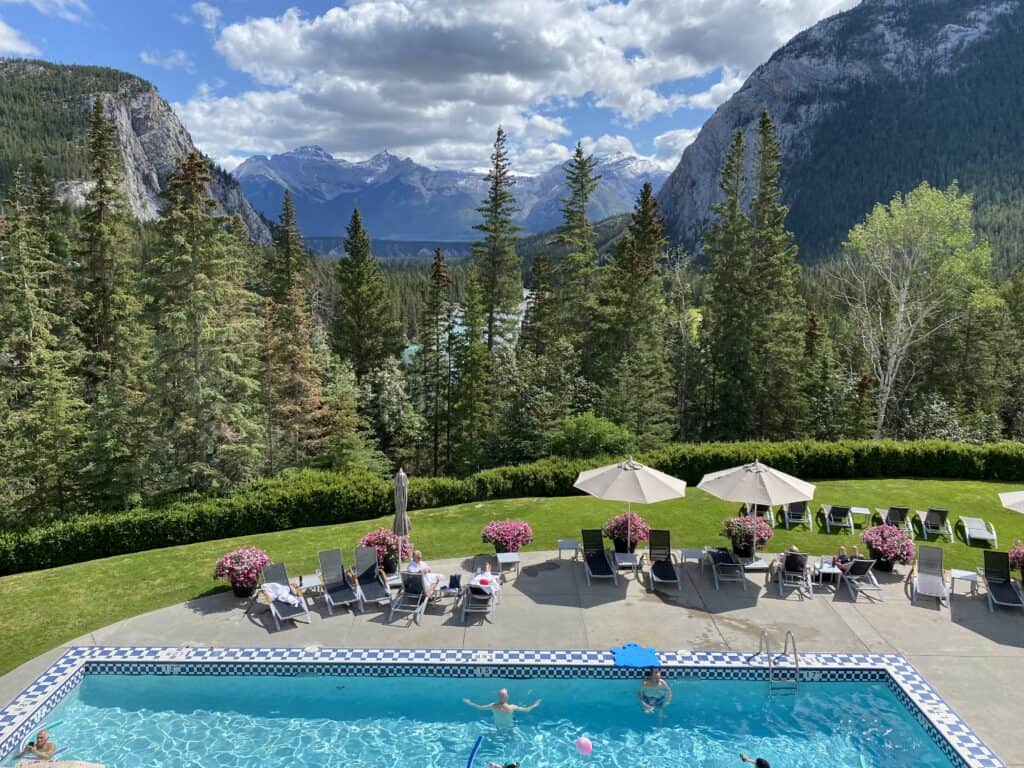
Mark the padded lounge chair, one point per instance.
(859, 577)
(759, 510)
(976, 529)
(935, 522)
(837, 517)
(929, 576)
(476, 599)
(276, 573)
(796, 513)
(411, 598)
(998, 583)
(795, 573)
(897, 516)
(725, 566)
(596, 561)
(336, 587)
(372, 586)
(663, 562)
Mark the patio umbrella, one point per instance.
(401, 527)
(630, 481)
(1013, 500)
(756, 483)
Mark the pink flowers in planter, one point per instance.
(627, 525)
(241, 567)
(1017, 554)
(747, 530)
(386, 543)
(507, 535)
(889, 543)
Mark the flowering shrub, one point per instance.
(627, 524)
(745, 530)
(241, 567)
(1017, 554)
(386, 544)
(513, 535)
(889, 543)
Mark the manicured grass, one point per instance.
(46, 608)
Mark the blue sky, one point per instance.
(425, 78)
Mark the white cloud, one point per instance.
(432, 79)
(669, 146)
(209, 15)
(608, 145)
(176, 59)
(183, 18)
(13, 44)
(69, 10)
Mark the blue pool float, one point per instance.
(633, 655)
(476, 748)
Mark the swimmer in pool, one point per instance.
(504, 713)
(655, 693)
(41, 748)
(758, 762)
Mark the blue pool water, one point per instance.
(366, 722)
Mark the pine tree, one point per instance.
(540, 322)
(776, 331)
(348, 445)
(432, 367)
(365, 330)
(391, 413)
(205, 393)
(728, 309)
(497, 263)
(286, 261)
(472, 411)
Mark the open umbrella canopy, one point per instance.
(756, 483)
(1013, 500)
(630, 481)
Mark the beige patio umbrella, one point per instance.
(630, 481)
(756, 483)
(401, 527)
(1013, 500)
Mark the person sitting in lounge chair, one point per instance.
(430, 579)
(842, 560)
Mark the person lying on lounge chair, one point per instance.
(430, 579)
(843, 560)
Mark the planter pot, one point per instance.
(621, 545)
(499, 549)
(881, 564)
(743, 548)
(390, 563)
(243, 590)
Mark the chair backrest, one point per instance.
(897, 515)
(477, 591)
(659, 545)
(860, 567)
(366, 559)
(975, 525)
(412, 583)
(796, 562)
(838, 513)
(332, 567)
(929, 560)
(796, 508)
(593, 540)
(997, 565)
(275, 573)
(761, 510)
(936, 516)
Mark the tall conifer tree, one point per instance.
(432, 366)
(286, 261)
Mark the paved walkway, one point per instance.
(974, 658)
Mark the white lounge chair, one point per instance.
(795, 572)
(837, 517)
(859, 577)
(796, 513)
(596, 561)
(929, 576)
(935, 522)
(976, 529)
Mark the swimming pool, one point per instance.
(320, 707)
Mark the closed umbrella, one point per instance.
(1013, 500)
(401, 527)
(756, 483)
(630, 481)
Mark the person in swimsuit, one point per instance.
(655, 693)
(504, 713)
(842, 560)
(42, 747)
(759, 762)
(506, 765)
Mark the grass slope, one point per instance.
(77, 599)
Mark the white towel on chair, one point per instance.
(281, 593)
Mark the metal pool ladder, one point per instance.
(783, 680)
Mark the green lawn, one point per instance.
(76, 599)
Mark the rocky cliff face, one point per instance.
(830, 73)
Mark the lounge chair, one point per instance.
(337, 589)
(759, 510)
(977, 529)
(596, 561)
(795, 573)
(859, 577)
(935, 522)
(411, 597)
(796, 513)
(897, 516)
(998, 583)
(837, 517)
(929, 576)
(725, 566)
(276, 573)
(663, 562)
(372, 586)
(476, 599)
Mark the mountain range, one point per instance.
(402, 200)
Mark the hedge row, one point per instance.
(301, 499)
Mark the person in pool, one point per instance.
(759, 762)
(655, 693)
(503, 711)
(506, 765)
(42, 747)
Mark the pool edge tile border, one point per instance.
(29, 708)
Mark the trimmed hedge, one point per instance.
(309, 498)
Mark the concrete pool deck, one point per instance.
(972, 657)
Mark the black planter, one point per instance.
(621, 545)
(390, 563)
(743, 548)
(243, 590)
(881, 564)
(499, 549)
